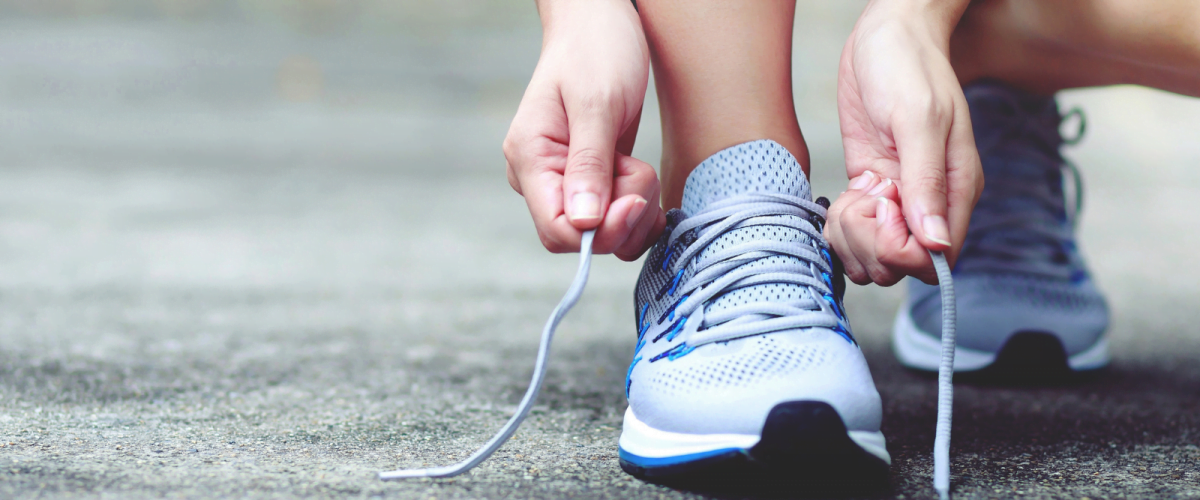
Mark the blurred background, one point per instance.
(268, 245)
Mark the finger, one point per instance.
(895, 248)
(535, 151)
(588, 179)
(646, 232)
(627, 139)
(835, 235)
(859, 224)
(964, 175)
(657, 226)
(888, 188)
(633, 187)
(864, 182)
(511, 173)
(868, 186)
(543, 195)
(897, 253)
(921, 145)
(640, 231)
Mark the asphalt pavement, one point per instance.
(247, 260)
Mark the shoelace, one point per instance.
(941, 443)
(1016, 226)
(945, 404)
(732, 268)
(535, 385)
(1029, 239)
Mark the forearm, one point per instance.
(1048, 46)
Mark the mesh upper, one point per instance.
(1019, 143)
(753, 167)
(760, 166)
(764, 357)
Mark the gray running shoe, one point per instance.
(1026, 302)
(744, 355)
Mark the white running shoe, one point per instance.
(744, 353)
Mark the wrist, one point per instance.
(936, 17)
(560, 13)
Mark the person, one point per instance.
(743, 347)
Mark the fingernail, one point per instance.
(936, 229)
(635, 213)
(879, 189)
(863, 180)
(881, 211)
(585, 206)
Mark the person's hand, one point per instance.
(906, 130)
(568, 147)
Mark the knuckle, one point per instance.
(510, 147)
(890, 253)
(629, 251)
(929, 109)
(881, 275)
(587, 160)
(888, 258)
(858, 277)
(602, 98)
(551, 243)
(834, 214)
(888, 282)
(929, 181)
(512, 180)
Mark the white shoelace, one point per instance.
(746, 264)
(945, 405)
(941, 443)
(535, 385)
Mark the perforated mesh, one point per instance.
(1036, 292)
(759, 293)
(763, 358)
(760, 166)
(753, 167)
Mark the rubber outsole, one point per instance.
(798, 437)
(1025, 355)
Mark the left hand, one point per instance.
(905, 123)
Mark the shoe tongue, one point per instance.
(1018, 140)
(1017, 125)
(763, 166)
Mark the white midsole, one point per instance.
(640, 439)
(916, 348)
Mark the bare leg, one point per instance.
(724, 76)
(1046, 46)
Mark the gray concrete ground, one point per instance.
(248, 258)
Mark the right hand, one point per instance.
(568, 147)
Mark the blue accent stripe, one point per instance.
(652, 462)
(629, 374)
(673, 353)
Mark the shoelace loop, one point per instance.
(941, 446)
(535, 385)
(739, 266)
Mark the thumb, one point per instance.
(922, 152)
(588, 179)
